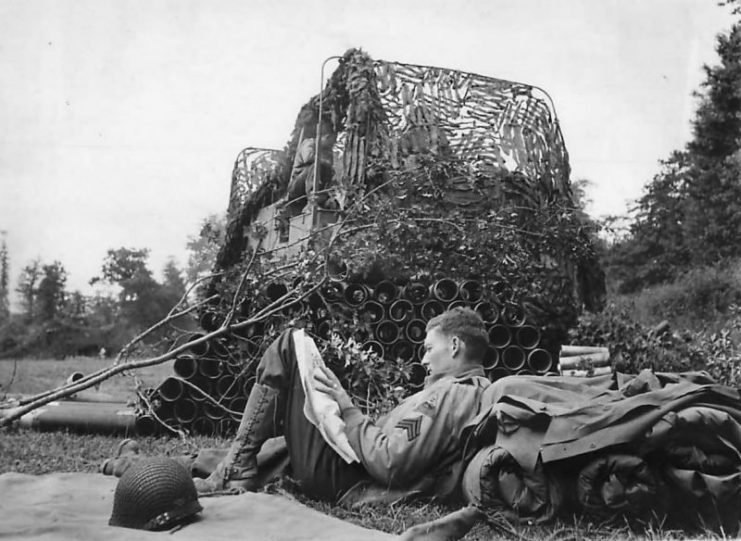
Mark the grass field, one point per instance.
(28, 376)
(28, 451)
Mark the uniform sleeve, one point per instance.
(398, 454)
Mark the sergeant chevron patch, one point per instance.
(412, 427)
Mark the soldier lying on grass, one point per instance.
(415, 449)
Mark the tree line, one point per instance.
(689, 215)
(55, 322)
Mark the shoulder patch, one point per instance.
(412, 427)
(428, 405)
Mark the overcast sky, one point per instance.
(121, 119)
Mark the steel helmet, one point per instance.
(154, 494)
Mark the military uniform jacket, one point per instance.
(420, 438)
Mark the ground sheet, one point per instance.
(77, 506)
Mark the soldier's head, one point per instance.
(455, 338)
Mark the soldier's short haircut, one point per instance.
(467, 325)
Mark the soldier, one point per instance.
(301, 183)
(416, 449)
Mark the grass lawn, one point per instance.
(28, 451)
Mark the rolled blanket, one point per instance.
(699, 450)
(615, 485)
(494, 481)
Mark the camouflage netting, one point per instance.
(446, 188)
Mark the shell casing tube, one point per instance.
(371, 311)
(488, 312)
(527, 337)
(198, 349)
(502, 291)
(251, 349)
(431, 309)
(292, 308)
(524, 372)
(333, 292)
(165, 413)
(185, 366)
(387, 332)
(200, 393)
(275, 290)
(415, 331)
(185, 411)
(445, 290)
(514, 315)
(237, 406)
(385, 292)
(513, 358)
(204, 426)
(275, 324)
(499, 336)
(171, 389)
(213, 412)
(471, 291)
(210, 368)
(360, 335)
(337, 270)
(498, 373)
(245, 307)
(323, 329)
(374, 347)
(539, 361)
(227, 387)
(356, 294)
(209, 321)
(74, 376)
(491, 358)
(251, 331)
(403, 350)
(417, 293)
(219, 349)
(418, 373)
(421, 350)
(458, 304)
(401, 311)
(146, 425)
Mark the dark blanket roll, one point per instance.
(495, 482)
(618, 485)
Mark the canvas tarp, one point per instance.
(77, 506)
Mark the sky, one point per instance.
(120, 120)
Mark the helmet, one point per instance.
(154, 494)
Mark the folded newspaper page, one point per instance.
(320, 409)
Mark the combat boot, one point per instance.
(127, 453)
(238, 470)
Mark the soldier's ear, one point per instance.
(455, 346)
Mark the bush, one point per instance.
(634, 346)
(701, 295)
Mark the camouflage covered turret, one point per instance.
(402, 191)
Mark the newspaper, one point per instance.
(319, 408)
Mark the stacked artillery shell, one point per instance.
(584, 361)
(393, 318)
(211, 382)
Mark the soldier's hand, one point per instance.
(325, 381)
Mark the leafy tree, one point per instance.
(173, 279)
(690, 213)
(205, 246)
(126, 268)
(27, 283)
(4, 279)
(51, 295)
(142, 301)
